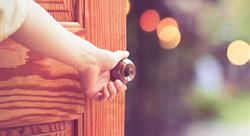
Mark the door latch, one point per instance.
(125, 71)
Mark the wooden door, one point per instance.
(42, 97)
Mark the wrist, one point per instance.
(87, 56)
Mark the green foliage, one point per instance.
(238, 18)
(225, 108)
(224, 21)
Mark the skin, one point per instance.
(42, 33)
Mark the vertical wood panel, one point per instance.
(42, 89)
(105, 27)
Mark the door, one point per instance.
(42, 97)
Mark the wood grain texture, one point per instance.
(36, 89)
(105, 27)
(61, 10)
(64, 128)
(65, 10)
(34, 86)
(70, 13)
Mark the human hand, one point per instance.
(95, 80)
(94, 64)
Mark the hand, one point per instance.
(95, 80)
(57, 42)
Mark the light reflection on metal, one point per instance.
(124, 71)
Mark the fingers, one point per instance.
(112, 90)
(97, 96)
(105, 95)
(109, 92)
(119, 86)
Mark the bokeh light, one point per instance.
(238, 52)
(169, 37)
(183, 63)
(149, 20)
(127, 6)
(166, 22)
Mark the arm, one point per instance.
(42, 33)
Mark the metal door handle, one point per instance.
(125, 71)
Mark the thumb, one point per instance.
(122, 54)
(119, 55)
(113, 58)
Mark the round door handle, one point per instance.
(125, 71)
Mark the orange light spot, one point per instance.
(169, 37)
(127, 6)
(149, 20)
(166, 22)
(238, 52)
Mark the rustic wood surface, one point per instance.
(65, 10)
(64, 128)
(105, 27)
(62, 10)
(35, 89)
(70, 13)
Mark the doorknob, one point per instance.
(125, 71)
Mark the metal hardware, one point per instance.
(125, 71)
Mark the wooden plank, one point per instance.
(60, 10)
(105, 27)
(36, 89)
(49, 1)
(64, 128)
(64, 10)
(70, 13)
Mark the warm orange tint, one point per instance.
(238, 52)
(149, 20)
(166, 22)
(169, 37)
(127, 6)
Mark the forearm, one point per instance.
(42, 33)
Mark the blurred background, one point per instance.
(193, 68)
